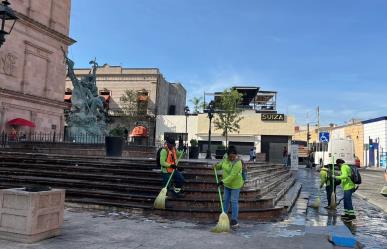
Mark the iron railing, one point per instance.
(9, 139)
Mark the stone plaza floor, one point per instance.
(120, 230)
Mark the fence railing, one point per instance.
(9, 139)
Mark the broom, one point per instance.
(223, 223)
(316, 203)
(333, 195)
(160, 199)
(384, 189)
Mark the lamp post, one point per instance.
(8, 19)
(186, 113)
(210, 110)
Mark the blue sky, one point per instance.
(326, 53)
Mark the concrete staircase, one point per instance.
(134, 183)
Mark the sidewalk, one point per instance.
(369, 190)
(121, 230)
(98, 230)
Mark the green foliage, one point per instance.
(221, 147)
(129, 102)
(118, 131)
(198, 104)
(193, 142)
(228, 117)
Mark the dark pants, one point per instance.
(348, 208)
(177, 179)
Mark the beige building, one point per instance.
(266, 136)
(160, 96)
(32, 70)
(353, 130)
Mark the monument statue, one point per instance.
(87, 117)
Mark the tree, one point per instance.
(129, 103)
(198, 104)
(228, 115)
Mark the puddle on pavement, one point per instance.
(370, 227)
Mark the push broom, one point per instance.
(223, 222)
(160, 199)
(316, 203)
(333, 195)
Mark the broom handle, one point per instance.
(170, 177)
(220, 194)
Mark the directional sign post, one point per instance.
(324, 137)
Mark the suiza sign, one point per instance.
(272, 117)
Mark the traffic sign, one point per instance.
(324, 137)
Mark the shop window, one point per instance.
(172, 110)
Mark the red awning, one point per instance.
(67, 97)
(21, 122)
(139, 131)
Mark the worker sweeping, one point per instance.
(167, 158)
(348, 187)
(168, 162)
(232, 181)
(326, 180)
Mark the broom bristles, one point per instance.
(333, 200)
(160, 199)
(223, 224)
(384, 190)
(316, 203)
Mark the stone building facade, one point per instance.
(32, 69)
(161, 96)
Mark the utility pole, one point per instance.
(307, 135)
(318, 118)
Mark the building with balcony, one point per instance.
(253, 98)
(154, 95)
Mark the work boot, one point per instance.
(351, 217)
(344, 216)
(234, 224)
(177, 194)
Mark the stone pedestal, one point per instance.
(30, 216)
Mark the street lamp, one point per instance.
(210, 110)
(186, 113)
(8, 18)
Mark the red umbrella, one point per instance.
(21, 122)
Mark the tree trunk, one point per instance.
(226, 140)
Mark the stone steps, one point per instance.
(189, 173)
(194, 188)
(134, 183)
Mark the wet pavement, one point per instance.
(372, 184)
(370, 227)
(119, 230)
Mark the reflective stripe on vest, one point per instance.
(171, 158)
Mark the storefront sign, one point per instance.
(272, 117)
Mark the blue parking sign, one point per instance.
(324, 137)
